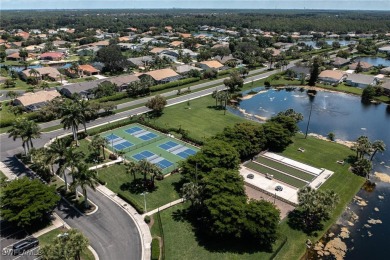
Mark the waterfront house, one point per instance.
(360, 80)
(332, 76)
(33, 101)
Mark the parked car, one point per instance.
(24, 245)
(278, 188)
(250, 176)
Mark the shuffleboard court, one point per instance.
(277, 175)
(123, 145)
(186, 153)
(284, 168)
(164, 164)
(148, 136)
(112, 137)
(168, 145)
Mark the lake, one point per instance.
(376, 61)
(342, 43)
(348, 118)
(21, 68)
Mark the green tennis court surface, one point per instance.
(139, 142)
(277, 175)
(284, 168)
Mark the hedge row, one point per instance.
(4, 122)
(155, 249)
(115, 97)
(173, 84)
(224, 72)
(132, 202)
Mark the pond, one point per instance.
(314, 43)
(376, 61)
(21, 68)
(348, 118)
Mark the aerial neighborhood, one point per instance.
(193, 134)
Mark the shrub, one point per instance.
(155, 249)
(133, 203)
(115, 97)
(112, 156)
(173, 84)
(147, 219)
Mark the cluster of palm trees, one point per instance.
(222, 97)
(26, 130)
(146, 168)
(364, 147)
(67, 160)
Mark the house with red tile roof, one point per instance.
(56, 56)
(88, 70)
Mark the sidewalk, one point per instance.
(173, 203)
(143, 228)
(7, 172)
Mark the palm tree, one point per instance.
(57, 150)
(377, 146)
(85, 178)
(75, 67)
(363, 167)
(70, 160)
(362, 147)
(131, 168)
(86, 111)
(192, 192)
(34, 72)
(44, 85)
(148, 168)
(12, 94)
(72, 116)
(26, 130)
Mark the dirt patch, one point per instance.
(339, 141)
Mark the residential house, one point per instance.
(227, 58)
(360, 80)
(11, 51)
(122, 82)
(332, 76)
(339, 62)
(185, 69)
(300, 71)
(365, 66)
(211, 64)
(33, 48)
(100, 44)
(185, 35)
(157, 50)
(43, 73)
(88, 51)
(163, 75)
(84, 89)
(141, 61)
(87, 70)
(23, 34)
(60, 44)
(53, 56)
(176, 44)
(33, 101)
(385, 49)
(190, 52)
(386, 87)
(385, 71)
(15, 45)
(14, 56)
(145, 40)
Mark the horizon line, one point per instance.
(179, 8)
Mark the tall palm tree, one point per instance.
(131, 168)
(71, 159)
(35, 73)
(57, 150)
(71, 117)
(86, 112)
(85, 178)
(26, 130)
(362, 147)
(377, 146)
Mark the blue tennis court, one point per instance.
(164, 164)
(186, 153)
(112, 137)
(133, 130)
(122, 146)
(168, 145)
(148, 136)
(143, 155)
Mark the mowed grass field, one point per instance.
(120, 182)
(320, 154)
(200, 119)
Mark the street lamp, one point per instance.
(144, 193)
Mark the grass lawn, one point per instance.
(84, 147)
(202, 120)
(120, 182)
(182, 243)
(2, 175)
(81, 79)
(48, 238)
(319, 153)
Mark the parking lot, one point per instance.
(11, 235)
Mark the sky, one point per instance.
(197, 4)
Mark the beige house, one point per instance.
(332, 76)
(35, 100)
(163, 75)
(210, 64)
(43, 73)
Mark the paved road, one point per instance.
(110, 230)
